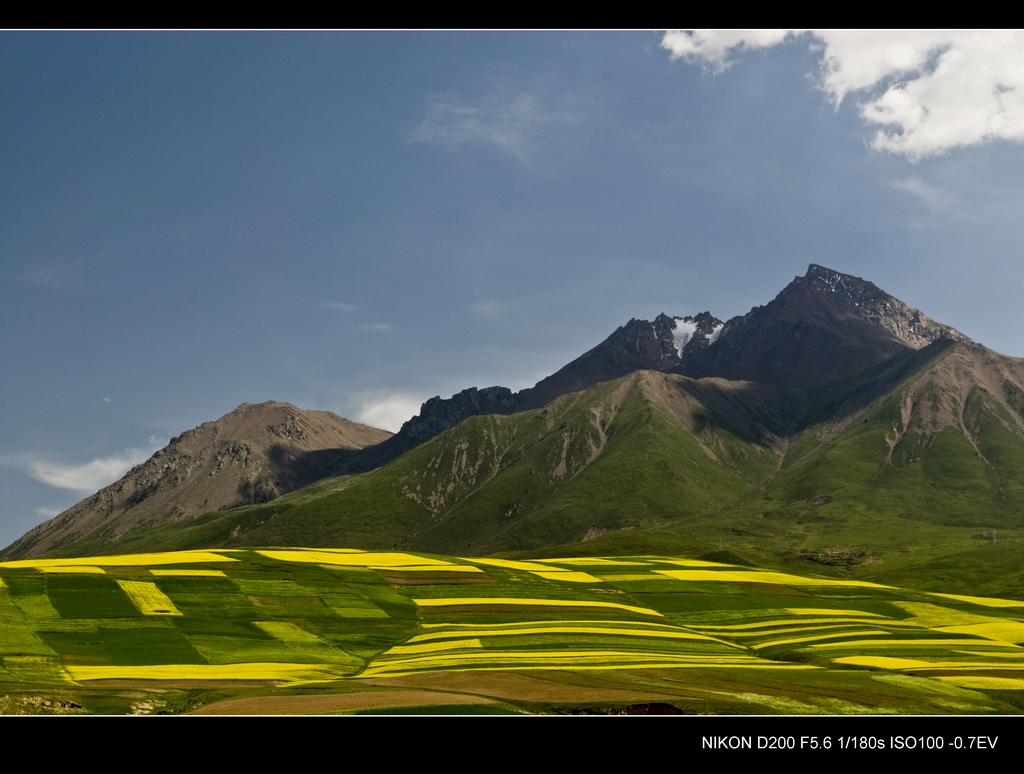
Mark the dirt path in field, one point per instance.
(336, 702)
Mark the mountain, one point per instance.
(833, 430)
(822, 327)
(251, 455)
(911, 472)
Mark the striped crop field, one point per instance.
(190, 629)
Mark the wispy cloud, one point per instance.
(56, 275)
(388, 410)
(929, 91)
(489, 310)
(339, 306)
(933, 197)
(515, 124)
(84, 477)
(382, 327)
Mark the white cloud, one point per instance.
(715, 49)
(935, 198)
(927, 91)
(513, 124)
(388, 411)
(84, 478)
(489, 310)
(383, 327)
(339, 306)
(46, 513)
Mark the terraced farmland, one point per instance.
(293, 630)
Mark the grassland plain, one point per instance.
(286, 631)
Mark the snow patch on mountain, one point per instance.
(685, 328)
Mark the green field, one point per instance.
(342, 631)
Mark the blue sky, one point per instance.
(358, 221)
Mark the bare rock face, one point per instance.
(822, 327)
(251, 455)
(640, 345)
(865, 299)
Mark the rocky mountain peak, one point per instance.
(252, 454)
(852, 296)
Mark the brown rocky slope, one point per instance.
(251, 455)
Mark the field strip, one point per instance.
(1001, 631)
(780, 625)
(147, 598)
(186, 573)
(271, 671)
(580, 656)
(359, 559)
(285, 631)
(576, 660)
(595, 561)
(820, 611)
(492, 632)
(74, 568)
(436, 568)
(918, 665)
(991, 654)
(125, 560)
(517, 602)
(924, 642)
(817, 637)
(433, 647)
(929, 615)
(568, 576)
(513, 565)
(818, 630)
(37, 669)
(986, 601)
(766, 576)
(983, 683)
(540, 624)
(613, 577)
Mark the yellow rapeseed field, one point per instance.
(147, 598)
(512, 565)
(983, 683)
(78, 569)
(126, 560)
(568, 576)
(561, 659)
(268, 671)
(593, 561)
(494, 631)
(754, 576)
(357, 558)
(519, 601)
